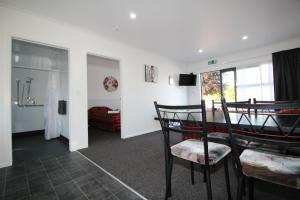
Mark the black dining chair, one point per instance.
(216, 105)
(190, 119)
(221, 136)
(274, 134)
(255, 101)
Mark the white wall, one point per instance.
(241, 59)
(137, 96)
(97, 69)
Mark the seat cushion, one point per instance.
(272, 167)
(193, 150)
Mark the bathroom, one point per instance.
(39, 93)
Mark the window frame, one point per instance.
(224, 71)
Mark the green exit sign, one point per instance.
(212, 62)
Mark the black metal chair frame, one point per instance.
(271, 102)
(259, 134)
(218, 136)
(220, 103)
(201, 129)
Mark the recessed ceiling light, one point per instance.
(132, 15)
(200, 50)
(245, 37)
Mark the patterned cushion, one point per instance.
(193, 150)
(273, 167)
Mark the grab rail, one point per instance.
(18, 98)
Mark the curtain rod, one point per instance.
(25, 67)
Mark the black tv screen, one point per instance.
(187, 79)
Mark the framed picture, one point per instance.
(151, 74)
(110, 84)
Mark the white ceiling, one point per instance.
(178, 28)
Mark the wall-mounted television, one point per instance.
(187, 79)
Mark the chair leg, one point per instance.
(250, 188)
(204, 173)
(227, 178)
(192, 173)
(239, 194)
(208, 183)
(167, 161)
(169, 177)
(244, 186)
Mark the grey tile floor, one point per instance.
(29, 147)
(70, 176)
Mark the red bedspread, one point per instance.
(99, 117)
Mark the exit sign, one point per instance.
(212, 62)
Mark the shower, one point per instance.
(30, 100)
(39, 83)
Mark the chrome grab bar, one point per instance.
(33, 105)
(20, 104)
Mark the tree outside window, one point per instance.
(214, 84)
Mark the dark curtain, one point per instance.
(286, 71)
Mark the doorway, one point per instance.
(104, 99)
(39, 95)
(217, 84)
(228, 83)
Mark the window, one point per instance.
(211, 87)
(255, 82)
(238, 84)
(215, 84)
(228, 84)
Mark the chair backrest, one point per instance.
(183, 119)
(255, 101)
(219, 104)
(271, 102)
(216, 105)
(266, 126)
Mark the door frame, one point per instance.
(91, 53)
(221, 84)
(10, 78)
(224, 71)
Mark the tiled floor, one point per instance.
(29, 147)
(70, 176)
